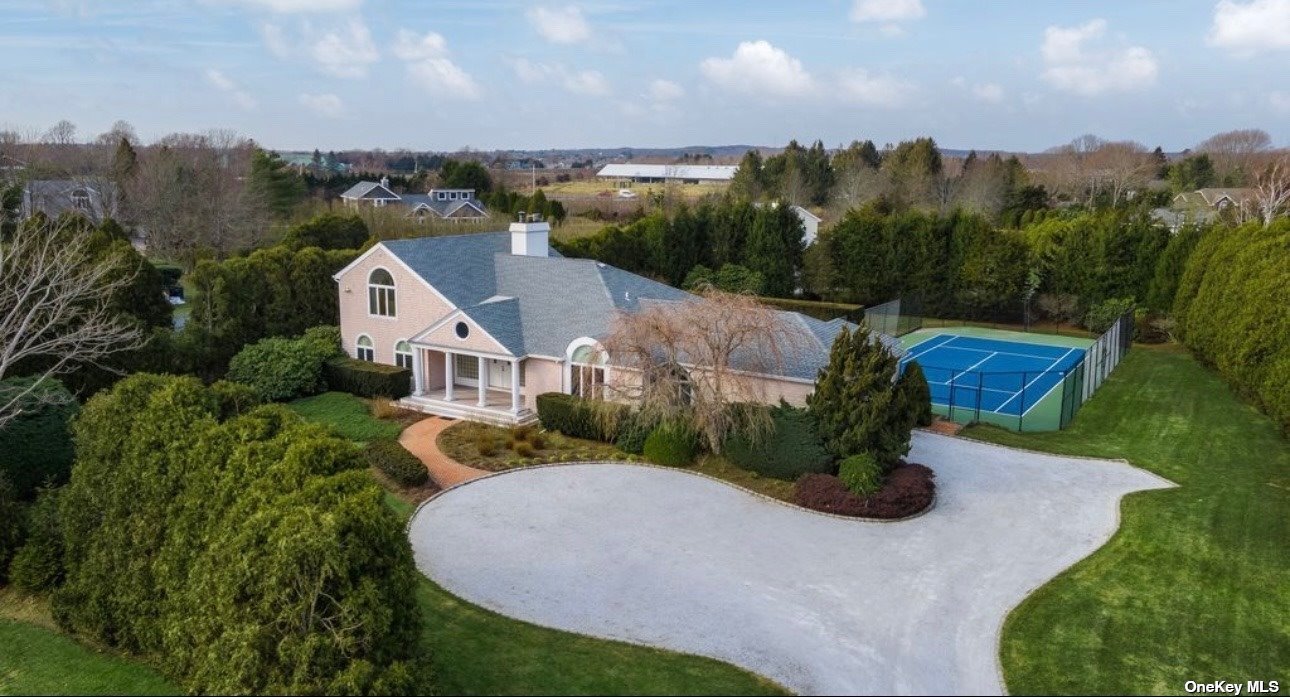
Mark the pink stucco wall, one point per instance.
(417, 307)
(476, 339)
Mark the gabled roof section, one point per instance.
(501, 319)
(461, 267)
(371, 191)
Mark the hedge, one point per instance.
(367, 379)
(397, 463)
(38, 565)
(791, 449)
(908, 489)
(36, 447)
(581, 418)
(671, 445)
(283, 369)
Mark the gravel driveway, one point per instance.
(821, 605)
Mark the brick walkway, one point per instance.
(421, 438)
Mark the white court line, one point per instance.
(1023, 387)
(920, 353)
(1050, 391)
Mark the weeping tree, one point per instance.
(699, 362)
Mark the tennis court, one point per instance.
(991, 376)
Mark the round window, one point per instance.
(463, 331)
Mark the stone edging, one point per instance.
(750, 492)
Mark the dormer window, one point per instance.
(380, 294)
(81, 199)
(441, 196)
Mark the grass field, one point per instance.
(350, 416)
(35, 660)
(1196, 583)
(596, 186)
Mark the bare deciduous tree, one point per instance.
(691, 361)
(55, 308)
(1232, 152)
(1272, 188)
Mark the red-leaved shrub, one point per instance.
(907, 490)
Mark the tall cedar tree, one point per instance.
(916, 393)
(856, 403)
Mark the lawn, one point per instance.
(1196, 583)
(36, 659)
(350, 416)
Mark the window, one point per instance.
(462, 329)
(587, 373)
(81, 199)
(365, 351)
(441, 196)
(403, 355)
(380, 294)
(467, 367)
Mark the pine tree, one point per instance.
(916, 395)
(856, 404)
(125, 162)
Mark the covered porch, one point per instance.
(468, 385)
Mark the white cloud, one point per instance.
(1280, 101)
(328, 105)
(757, 67)
(428, 65)
(665, 91)
(1246, 28)
(1074, 66)
(530, 72)
(988, 92)
(275, 40)
(586, 82)
(345, 52)
(887, 10)
(560, 25)
(296, 6)
(859, 85)
(226, 85)
(590, 82)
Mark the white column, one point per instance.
(447, 375)
(515, 386)
(418, 371)
(483, 382)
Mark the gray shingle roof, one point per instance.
(369, 190)
(442, 208)
(539, 305)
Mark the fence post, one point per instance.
(978, 396)
(1021, 415)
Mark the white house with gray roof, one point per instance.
(444, 204)
(486, 322)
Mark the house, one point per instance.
(1214, 199)
(810, 222)
(444, 204)
(486, 322)
(95, 201)
(689, 174)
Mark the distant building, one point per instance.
(53, 197)
(689, 174)
(810, 222)
(444, 204)
(1214, 199)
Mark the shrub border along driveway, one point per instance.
(1072, 522)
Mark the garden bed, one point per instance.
(908, 490)
(497, 449)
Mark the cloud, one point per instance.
(428, 65)
(275, 40)
(346, 51)
(1247, 28)
(665, 91)
(859, 85)
(1072, 66)
(560, 25)
(989, 92)
(757, 67)
(222, 82)
(887, 10)
(1280, 101)
(328, 105)
(296, 6)
(589, 82)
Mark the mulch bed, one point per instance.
(907, 490)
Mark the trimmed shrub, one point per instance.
(671, 445)
(38, 565)
(909, 489)
(632, 432)
(580, 418)
(284, 369)
(367, 379)
(791, 449)
(856, 404)
(235, 398)
(861, 473)
(36, 447)
(328, 231)
(396, 462)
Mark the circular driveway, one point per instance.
(819, 604)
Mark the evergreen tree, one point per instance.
(856, 404)
(769, 253)
(281, 188)
(748, 183)
(915, 394)
(125, 162)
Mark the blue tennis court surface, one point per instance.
(1004, 377)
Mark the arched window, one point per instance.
(380, 293)
(587, 372)
(364, 350)
(403, 355)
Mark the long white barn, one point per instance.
(651, 173)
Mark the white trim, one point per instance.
(381, 246)
(394, 286)
(410, 353)
(371, 347)
(416, 339)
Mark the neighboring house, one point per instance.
(53, 197)
(445, 204)
(487, 322)
(1214, 199)
(810, 222)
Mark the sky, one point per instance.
(509, 74)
